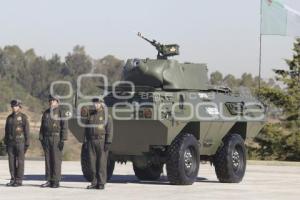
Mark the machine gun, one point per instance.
(164, 51)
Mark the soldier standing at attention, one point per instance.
(99, 138)
(53, 133)
(17, 142)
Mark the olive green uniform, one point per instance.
(16, 139)
(97, 137)
(53, 132)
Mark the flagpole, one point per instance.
(260, 60)
(260, 50)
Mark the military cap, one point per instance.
(51, 98)
(15, 102)
(97, 100)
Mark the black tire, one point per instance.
(230, 160)
(183, 160)
(149, 173)
(86, 168)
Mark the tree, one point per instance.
(247, 80)
(230, 81)
(216, 78)
(283, 139)
(289, 98)
(78, 62)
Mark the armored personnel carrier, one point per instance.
(166, 113)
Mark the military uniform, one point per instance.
(53, 133)
(98, 139)
(17, 142)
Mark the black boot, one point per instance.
(100, 187)
(11, 183)
(47, 184)
(17, 184)
(55, 184)
(92, 186)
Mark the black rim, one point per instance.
(237, 159)
(190, 162)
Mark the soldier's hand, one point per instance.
(26, 148)
(106, 146)
(61, 145)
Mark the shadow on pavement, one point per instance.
(204, 180)
(132, 179)
(118, 179)
(65, 178)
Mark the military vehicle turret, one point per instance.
(166, 113)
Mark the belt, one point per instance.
(52, 134)
(96, 137)
(19, 136)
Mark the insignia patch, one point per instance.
(19, 118)
(101, 118)
(100, 126)
(68, 114)
(84, 112)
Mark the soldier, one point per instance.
(17, 142)
(53, 133)
(98, 136)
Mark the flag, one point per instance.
(279, 19)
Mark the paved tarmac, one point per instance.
(263, 180)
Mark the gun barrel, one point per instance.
(164, 51)
(153, 42)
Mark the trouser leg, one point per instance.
(102, 164)
(12, 161)
(20, 157)
(47, 160)
(92, 159)
(57, 160)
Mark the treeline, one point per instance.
(245, 81)
(27, 76)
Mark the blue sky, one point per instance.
(223, 34)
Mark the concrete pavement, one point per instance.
(262, 181)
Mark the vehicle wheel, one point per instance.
(183, 160)
(230, 160)
(149, 173)
(86, 168)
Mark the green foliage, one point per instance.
(281, 140)
(10, 90)
(239, 84)
(289, 98)
(28, 77)
(278, 142)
